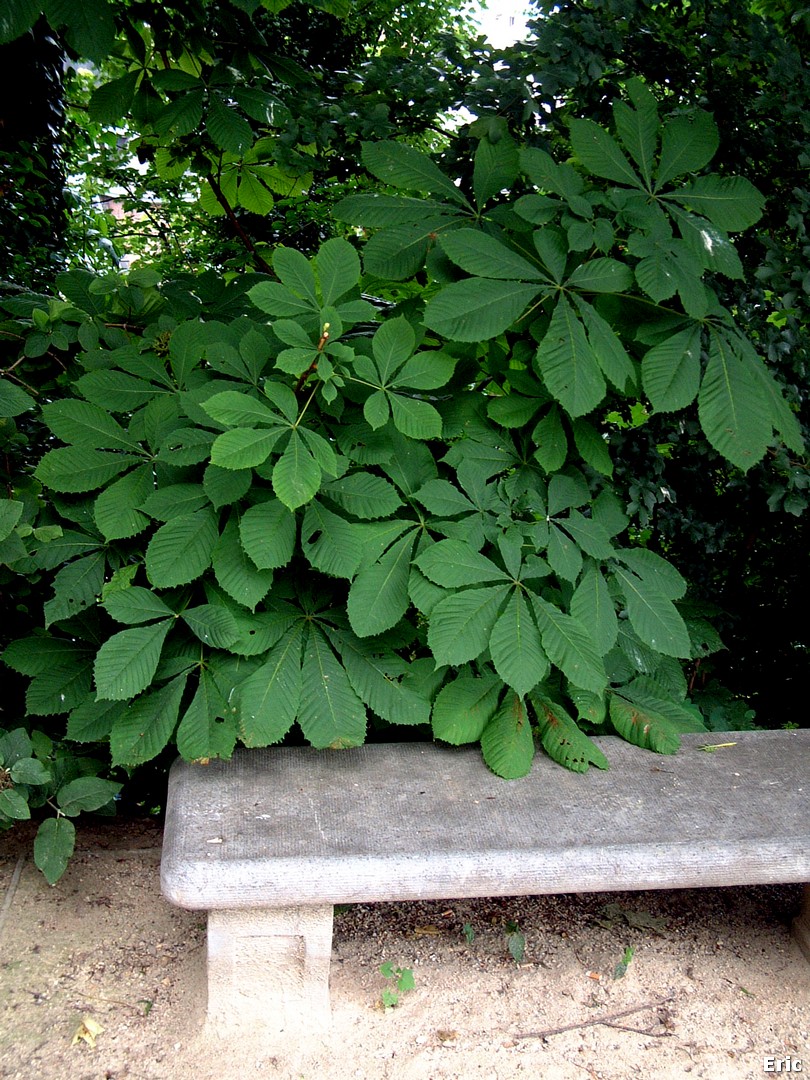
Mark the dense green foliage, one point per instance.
(413, 475)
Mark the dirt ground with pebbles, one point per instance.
(714, 987)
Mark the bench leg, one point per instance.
(801, 924)
(269, 968)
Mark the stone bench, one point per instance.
(268, 842)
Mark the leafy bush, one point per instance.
(267, 510)
(35, 772)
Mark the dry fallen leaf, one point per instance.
(87, 1031)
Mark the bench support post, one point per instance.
(801, 924)
(269, 968)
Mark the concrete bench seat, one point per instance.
(268, 842)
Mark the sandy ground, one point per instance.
(714, 987)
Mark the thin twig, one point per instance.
(595, 1022)
(236, 224)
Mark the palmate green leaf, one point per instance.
(496, 167)
(550, 441)
(181, 116)
(224, 487)
(570, 646)
(781, 416)
(53, 847)
(593, 448)
(392, 344)
(213, 624)
(515, 646)
(86, 793)
(229, 131)
(363, 495)
(295, 271)
(567, 490)
(652, 567)
(267, 532)
(75, 588)
(126, 663)
(562, 739)
(403, 167)
(13, 806)
(10, 513)
(378, 211)
(40, 653)
(173, 500)
(373, 677)
(461, 625)
(117, 391)
(670, 371)
(181, 550)
(13, 401)
(338, 269)
(507, 742)
(84, 424)
(207, 729)
(117, 510)
(589, 535)
(592, 605)
(244, 448)
(378, 597)
(92, 721)
(484, 256)
(399, 252)
(643, 727)
(732, 203)
(452, 563)
(17, 16)
(89, 28)
(136, 605)
(652, 614)
(443, 498)
(330, 543)
(282, 302)
(74, 469)
(414, 418)
(567, 363)
(657, 697)
(147, 725)
(236, 573)
(601, 276)
(712, 246)
(638, 127)
(563, 554)
(253, 194)
(464, 707)
(61, 688)
(688, 143)
(296, 474)
(331, 715)
(267, 702)
(376, 410)
(239, 410)
(512, 410)
(478, 308)
(186, 349)
(733, 411)
(601, 154)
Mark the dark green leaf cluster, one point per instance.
(267, 510)
(35, 772)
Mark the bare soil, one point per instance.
(714, 987)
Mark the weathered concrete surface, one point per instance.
(270, 967)
(269, 841)
(415, 821)
(801, 924)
